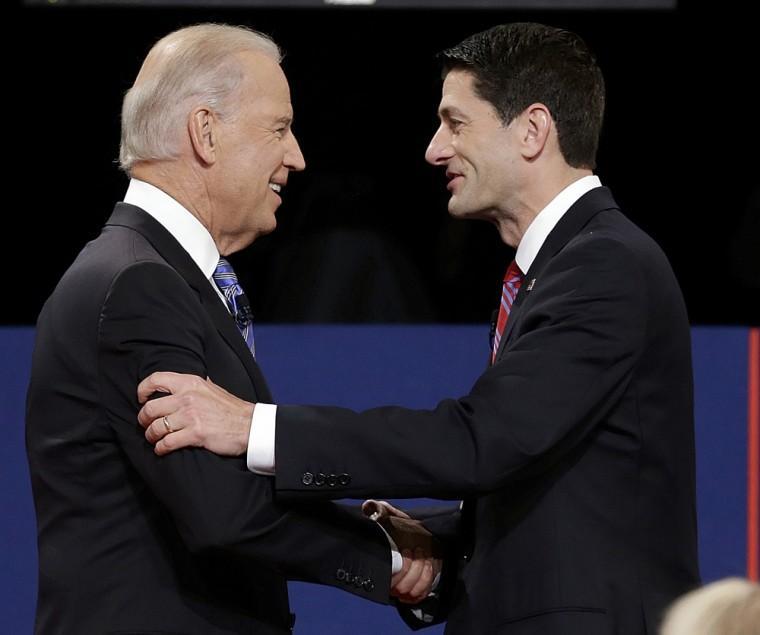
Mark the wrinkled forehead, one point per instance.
(263, 75)
(265, 88)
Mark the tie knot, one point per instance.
(224, 274)
(227, 282)
(513, 273)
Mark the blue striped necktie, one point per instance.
(225, 278)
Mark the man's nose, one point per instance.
(439, 150)
(293, 156)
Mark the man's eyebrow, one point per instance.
(449, 111)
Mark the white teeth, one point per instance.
(275, 186)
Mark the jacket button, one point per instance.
(358, 581)
(340, 575)
(368, 585)
(307, 478)
(332, 480)
(319, 479)
(344, 479)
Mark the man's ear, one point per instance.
(537, 125)
(202, 129)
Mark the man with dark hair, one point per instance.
(574, 450)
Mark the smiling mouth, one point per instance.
(452, 179)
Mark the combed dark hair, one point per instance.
(516, 65)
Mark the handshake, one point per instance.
(194, 406)
(421, 553)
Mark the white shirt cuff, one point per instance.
(396, 561)
(260, 457)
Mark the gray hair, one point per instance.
(189, 67)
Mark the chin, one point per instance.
(467, 212)
(268, 228)
(456, 209)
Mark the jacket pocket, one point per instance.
(567, 620)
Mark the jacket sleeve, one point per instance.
(152, 320)
(569, 361)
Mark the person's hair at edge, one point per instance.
(518, 64)
(193, 66)
(726, 607)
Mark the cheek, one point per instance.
(263, 166)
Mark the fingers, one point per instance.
(394, 511)
(373, 509)
(206, 414)
(406, 561)
(421, 588)
(159, 429)
(413, 583)
(174, 441)
(376, 510)
(406, 564)
(164, 382)
(153, 410)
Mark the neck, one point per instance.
(185, 188)
(514, 222)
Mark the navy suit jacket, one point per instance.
(186, 543)
(574, 452)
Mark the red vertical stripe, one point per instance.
(753, 458)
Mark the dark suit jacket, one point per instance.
(574, 451)
(187, 543)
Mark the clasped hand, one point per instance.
(194, 412)
(420, 552)
(197, 412)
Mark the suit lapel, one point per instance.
(227, 328)
(126, 215)
(575, 219)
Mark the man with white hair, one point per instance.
(131, 542)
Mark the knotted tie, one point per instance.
(226, 280)
(512, 281)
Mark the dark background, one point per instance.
(363, 233)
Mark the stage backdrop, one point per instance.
(364, 366)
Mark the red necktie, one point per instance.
(512, 281)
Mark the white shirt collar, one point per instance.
(547, 218)
(187, 230)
